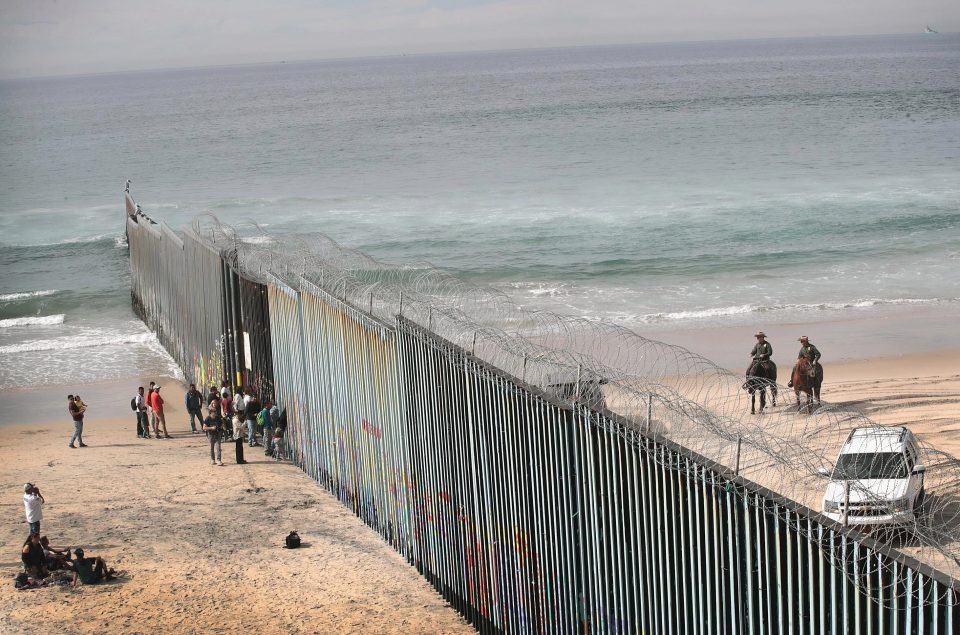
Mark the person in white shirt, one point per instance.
(33, 504)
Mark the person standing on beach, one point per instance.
(76, 413)
(143, 425)
(252, 408)
(238, 426)
(266, 416)
(213, 425)
(192, 402)
(33, 505)
(161, 420)
(151, 415)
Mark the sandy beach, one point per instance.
(202, 543)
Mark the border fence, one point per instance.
(530, 510)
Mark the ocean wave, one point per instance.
(92, 339)
(743, 309)
(23, 295)
(40, 320)
(109, 238)
(539, 290)
(258, 240)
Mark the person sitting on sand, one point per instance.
(32, 557)
(90, 570)
(55, 557)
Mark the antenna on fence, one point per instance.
(523, 376)
(473, 348)
(400, 310)
(736, 469)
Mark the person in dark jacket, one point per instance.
(32, 556)
(213, 425)
(807, 349)
(192, 401)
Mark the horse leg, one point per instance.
(816, 392)
(763, 399)
(753, 402)
(773, 394)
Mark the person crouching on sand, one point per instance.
(90, 570)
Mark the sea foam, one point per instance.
(91, 339)
(23, 295)
(40, 320)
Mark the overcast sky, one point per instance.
(55, 37)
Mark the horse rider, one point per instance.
(762, 350)
(808, 350)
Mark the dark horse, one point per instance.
(760, 376)
(807, 378)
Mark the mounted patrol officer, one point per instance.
(762, 350)
(808, 350)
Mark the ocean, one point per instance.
(670, 188)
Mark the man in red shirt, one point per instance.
(158, 411)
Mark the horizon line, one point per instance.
(334, 58)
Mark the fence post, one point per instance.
(736, 469)
(846, 502)
(649, 412)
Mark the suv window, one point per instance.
(870, 465)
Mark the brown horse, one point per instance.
(807, 378)
(760, 376)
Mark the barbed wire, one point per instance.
(789, 448)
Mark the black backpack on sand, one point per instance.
(292, 541)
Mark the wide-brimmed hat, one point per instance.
(803, 338)
(759, 334)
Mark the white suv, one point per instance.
(877, 480)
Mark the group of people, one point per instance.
(149, 408)
(762, 351)
(41, 561)
(221, 414)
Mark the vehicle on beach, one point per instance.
(877, 479)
